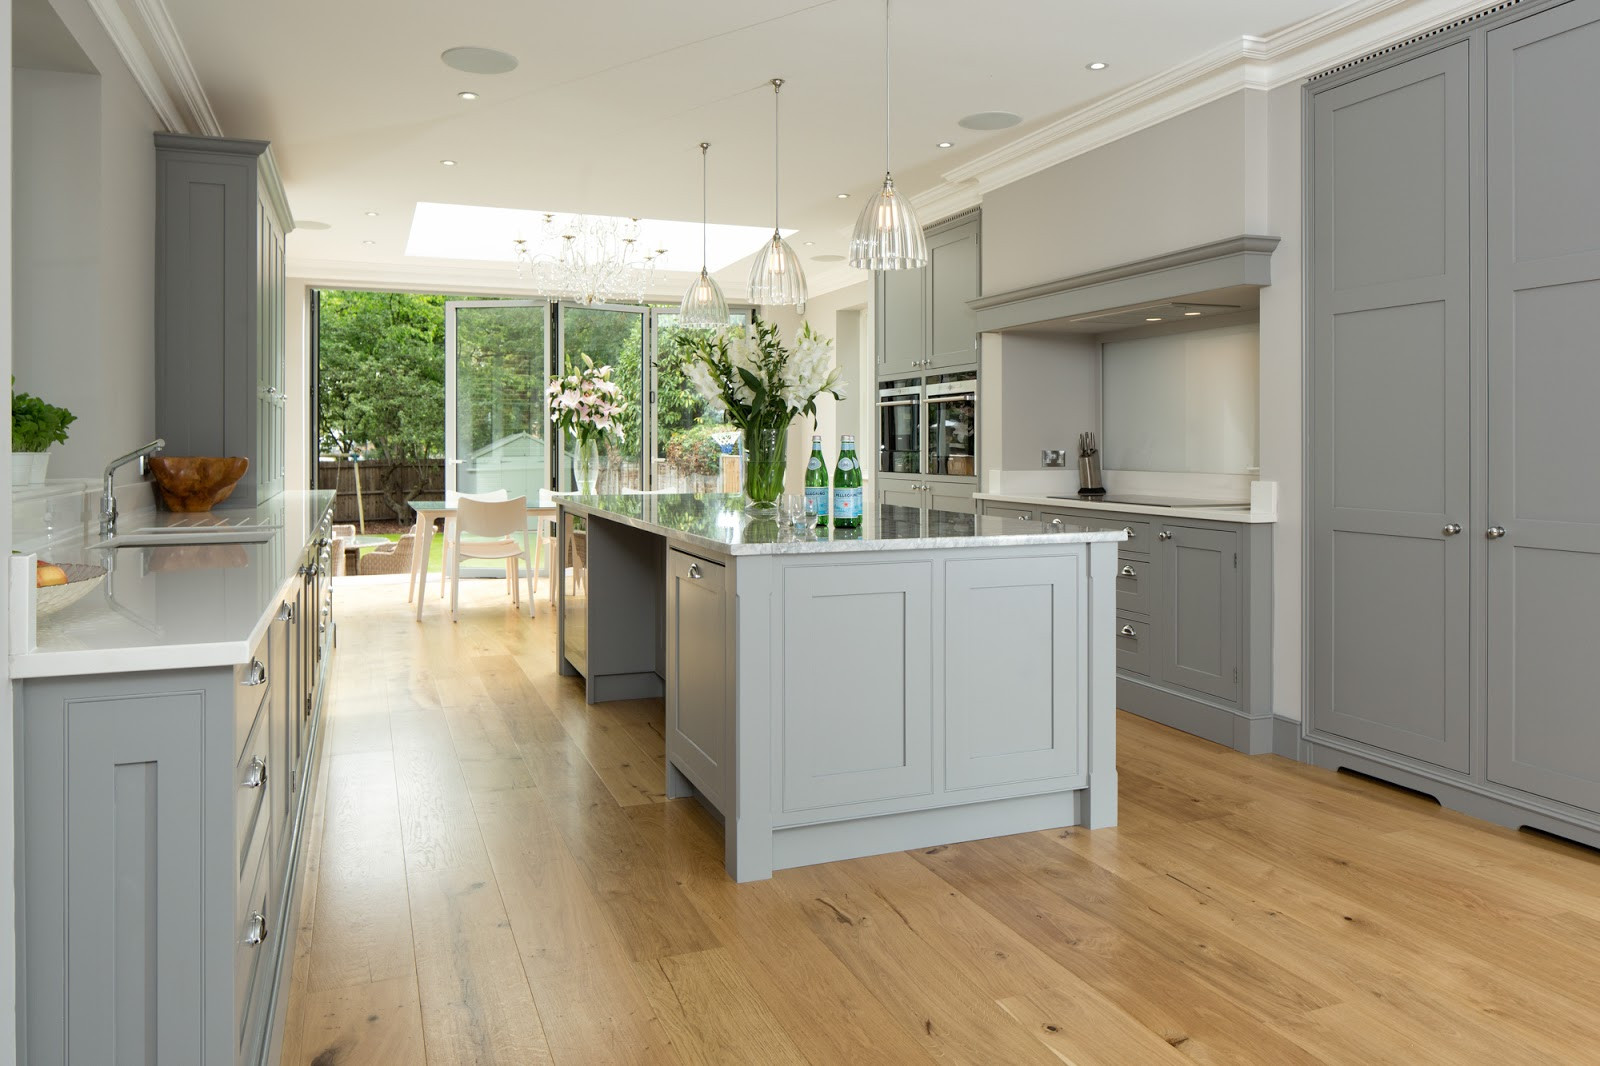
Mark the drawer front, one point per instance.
(254, 944)
(1139, 535)
(1135, 583)
(253, 782)
(250, 685)
(1007, 510)
(1133, 645)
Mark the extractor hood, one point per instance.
(1205, 281)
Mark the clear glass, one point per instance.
(703, 306)
(496, 376)
(888, 235)
(611, 336)
(777, 279)
(586, 466)
(798, 512)
(952, 424)
(697, 449)
(899, 426)
(764, 464)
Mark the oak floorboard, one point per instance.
(488, 882)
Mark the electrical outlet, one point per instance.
(1050, 457)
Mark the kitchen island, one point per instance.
(925, 679)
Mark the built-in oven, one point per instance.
(899, 426)
(952, 407)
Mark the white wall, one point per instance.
(841, 315)
(84, 256)
(1195, 178)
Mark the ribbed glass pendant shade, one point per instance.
(703, 305)
(888, 236)
(777, 279)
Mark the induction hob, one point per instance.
(1160, 501)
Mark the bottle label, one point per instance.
(846, 463)
(819, 493)
(814, 464)
(847, 503)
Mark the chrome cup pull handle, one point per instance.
(1128, 571)
(1129, 631)
(694, 571)
(1129, 531)
(255, 775)
(257, 674)
(255, 929)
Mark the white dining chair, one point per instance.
(500, 522)
(447, 567)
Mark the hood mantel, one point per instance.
(1188, 274)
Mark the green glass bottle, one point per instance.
(817, 481)
(847, 486)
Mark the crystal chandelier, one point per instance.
(776, 278)
(888, 236)
(596, 259)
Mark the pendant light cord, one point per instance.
(705, 211)
(885, 88)
(777, 83)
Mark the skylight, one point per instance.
(485, 234)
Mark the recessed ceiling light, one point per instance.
(1098, 64)
(447, 162)
(810, 244)
(471, 59)
(946, 144)
(1192, 314)
(1156, 319)
(370, 214)
(306, 223)
(827, 259)
(990, 120)
(369, 242)
(843, 195)
(467, 94)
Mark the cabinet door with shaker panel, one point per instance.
(902, 315)
(953, 281)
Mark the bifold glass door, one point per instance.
(495, 370)
(611, 335)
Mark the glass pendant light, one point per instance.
(703, 306)
(777, 279)
(887, 235)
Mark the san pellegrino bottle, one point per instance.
(817, 481)
(847, 486)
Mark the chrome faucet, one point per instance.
(108, 502)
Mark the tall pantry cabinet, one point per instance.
(1453, 481)
(221, 219)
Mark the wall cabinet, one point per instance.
(923, 321)
(160, 885)
(221, 372)
(1194, 620)
(1455, 534)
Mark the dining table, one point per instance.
(541, 509)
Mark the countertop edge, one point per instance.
(1209, 514)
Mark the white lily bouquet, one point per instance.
(746, 372)
(587, 404)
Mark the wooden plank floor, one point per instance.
(496, 877)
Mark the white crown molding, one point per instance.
(171, 85)
(1258, 63)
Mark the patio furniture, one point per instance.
(395, 560)
(542, 510)
(500, 520)
(341, 536)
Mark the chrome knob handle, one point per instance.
(1495, 532)
(694, 571)
(257, 674)
(255, 775)
(1128, 571)
(1129, 531)
(1165, 534)
(255, 929)
(1452, 529)
(1129, 631)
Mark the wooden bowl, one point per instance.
(191, 483)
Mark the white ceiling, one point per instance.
(605, 112)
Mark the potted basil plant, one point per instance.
(35, 425)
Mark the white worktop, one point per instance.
(719, 524)
(1243, 515)
(177, 606)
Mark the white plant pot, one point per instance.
(21, 468)
(41, 462)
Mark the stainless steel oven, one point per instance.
(899, 426)
(952, 407)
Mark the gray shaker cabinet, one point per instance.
(699, 674)
(902, 324)
(1453, 267)
(1199, 570)
(1544, 387)
(923, 317)
(220, 304)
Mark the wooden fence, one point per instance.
(403, 481)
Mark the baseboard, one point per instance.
(1287, 741)
(1220, 725)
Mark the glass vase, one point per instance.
(764, 462)
(586, 466)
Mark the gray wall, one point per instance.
(839, 314)
(1038, 391)
(84, 205)
(1195, 178)
(8, 690)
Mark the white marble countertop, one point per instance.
(1210, 514)
(177, 606)
(719, 524)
